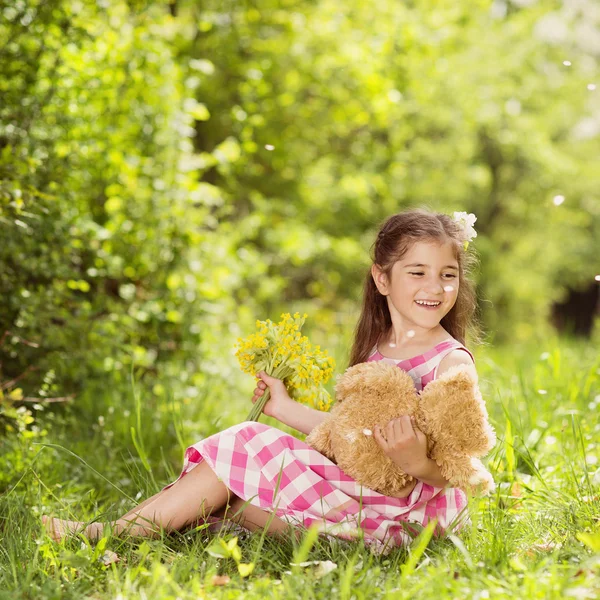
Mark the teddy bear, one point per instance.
(449, 411)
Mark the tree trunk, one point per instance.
(576, 314)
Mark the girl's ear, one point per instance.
(380, 279)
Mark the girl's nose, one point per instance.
(435, 284)
(435, 289)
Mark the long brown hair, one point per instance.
(396, 236)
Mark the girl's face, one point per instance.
(428, 271)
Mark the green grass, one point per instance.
(537, 537)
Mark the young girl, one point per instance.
(417, 306)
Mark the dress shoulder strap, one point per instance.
(444, 349)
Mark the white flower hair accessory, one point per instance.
(466, 221)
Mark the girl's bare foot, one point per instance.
(58, 529)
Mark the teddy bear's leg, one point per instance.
(481, 480)
(320, 439)
(466, 473)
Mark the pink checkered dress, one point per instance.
(278, 472)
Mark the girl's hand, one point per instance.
(279, 394)
(405, 444)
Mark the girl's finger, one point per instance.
(398, 431)
(390, 432)
(379, 436)
(421, 436)
(407, 427)
(416, 429)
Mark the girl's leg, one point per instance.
(254, 518)
(237, 510)
(60, 527)
(196, 495)
(144, 503)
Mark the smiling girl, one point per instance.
(418, 305)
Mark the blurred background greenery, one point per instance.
(172, 171)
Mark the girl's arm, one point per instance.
(431, 475)
(304, 419)
(281, 407)
(299, 416)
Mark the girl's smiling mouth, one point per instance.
(428, 305)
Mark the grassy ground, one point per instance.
(537, 537)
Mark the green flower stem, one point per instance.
(258, 406)
(281, 372)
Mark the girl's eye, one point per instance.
(447, 274)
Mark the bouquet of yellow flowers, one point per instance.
(280, 350)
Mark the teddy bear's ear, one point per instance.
(371, 376)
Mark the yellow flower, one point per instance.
(283, 352)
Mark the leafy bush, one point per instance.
(109, 256)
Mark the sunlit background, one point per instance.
(170, 172)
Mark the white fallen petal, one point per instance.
(324, 567)
(367, 431)
(109, 557)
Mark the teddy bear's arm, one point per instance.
(321, 440)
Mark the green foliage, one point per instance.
(109, 255)
(18, 430)
(169, 172)
(537, 537)
(346, 116)
(12, 417)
